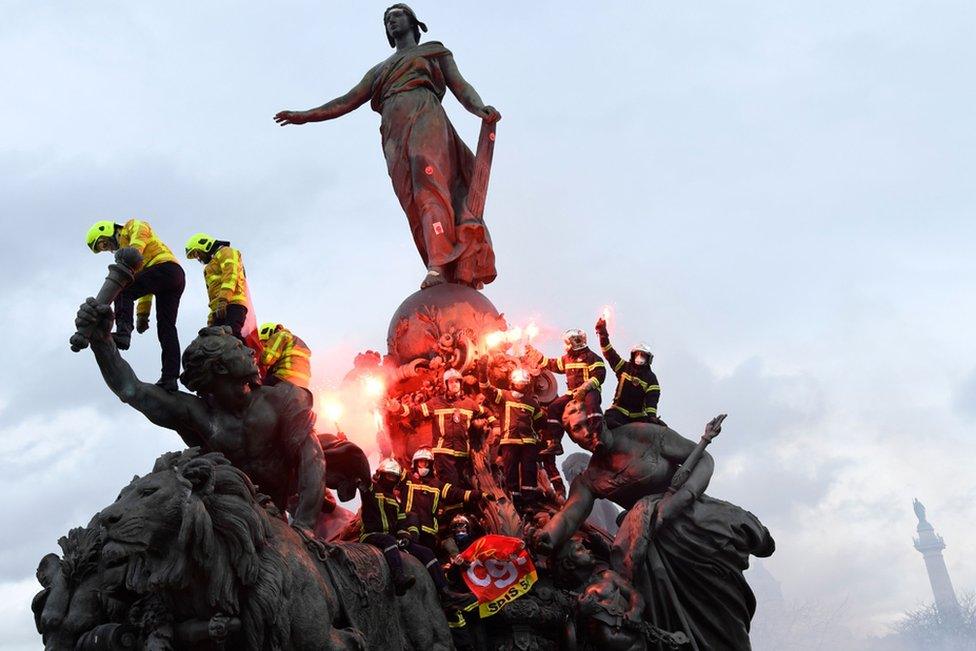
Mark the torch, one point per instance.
(120, 275)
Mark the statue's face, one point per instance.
(238, 362)
(576, 555)
(574, 420)
(397, 22)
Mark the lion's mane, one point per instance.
(224, 549)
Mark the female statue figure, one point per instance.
(683, 551)
(429, 165)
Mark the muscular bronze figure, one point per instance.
(430, 166)
(682, 550)
(265, 431)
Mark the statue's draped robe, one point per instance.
(429, 165)
(690, 570)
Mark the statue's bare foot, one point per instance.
(434, 277)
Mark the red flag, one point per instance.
(500, 570)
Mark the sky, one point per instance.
(777, 196)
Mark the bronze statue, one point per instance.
(265, 431)
(431, 168)
(682, 550)
(188, 557)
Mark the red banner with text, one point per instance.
(500, 570)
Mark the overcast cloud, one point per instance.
(777, 196)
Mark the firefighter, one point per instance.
(387, 526)
(585, 374)
(427, 495)
(226, 280)
(160, 275)
(638, 391)
(285, 357)
(452, 416)
(522, 418)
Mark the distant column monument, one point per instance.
(930, 545)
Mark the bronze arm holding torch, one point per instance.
(120, 275)
(681, 475)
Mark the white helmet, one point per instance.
(422, 453)
(460, 522)
(575, 339)
(641, 348)
(451, 374)
(389, 466)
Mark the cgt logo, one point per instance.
(500, 570)
(496, 573)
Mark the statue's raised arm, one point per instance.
(432, 170)
(178, 411)
(266, 431)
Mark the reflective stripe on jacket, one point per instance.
(288, 358)
(225, 278)
(451, 420)
(426, 496)
(638, 391)
(140, 236)
(580, 366)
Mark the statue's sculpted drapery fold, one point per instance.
(429, 165)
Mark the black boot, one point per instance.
(122, 340)
(170, 385)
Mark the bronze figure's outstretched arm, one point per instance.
(338, 107)
(568, 519)
(174, 411)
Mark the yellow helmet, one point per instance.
(101, 229)
(199, 243)
(267, 329)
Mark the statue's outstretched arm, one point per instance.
(176, 411)
(338, 107)
(465, 92)
(568, 519)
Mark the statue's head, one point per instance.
(574, 420)
(216, 356)
(572, 563)
(400, 19)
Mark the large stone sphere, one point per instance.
(429, 313)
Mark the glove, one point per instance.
(601, 328)
(581, 391)
(142, 323)
(220, 309)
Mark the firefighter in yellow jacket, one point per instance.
(160, 275)
(285, 357)
(225, 278)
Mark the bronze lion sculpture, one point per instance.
(188, 555)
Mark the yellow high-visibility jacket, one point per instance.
(225, 278)
(288, 358)
(140, 236)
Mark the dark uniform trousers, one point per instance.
(166, 282)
